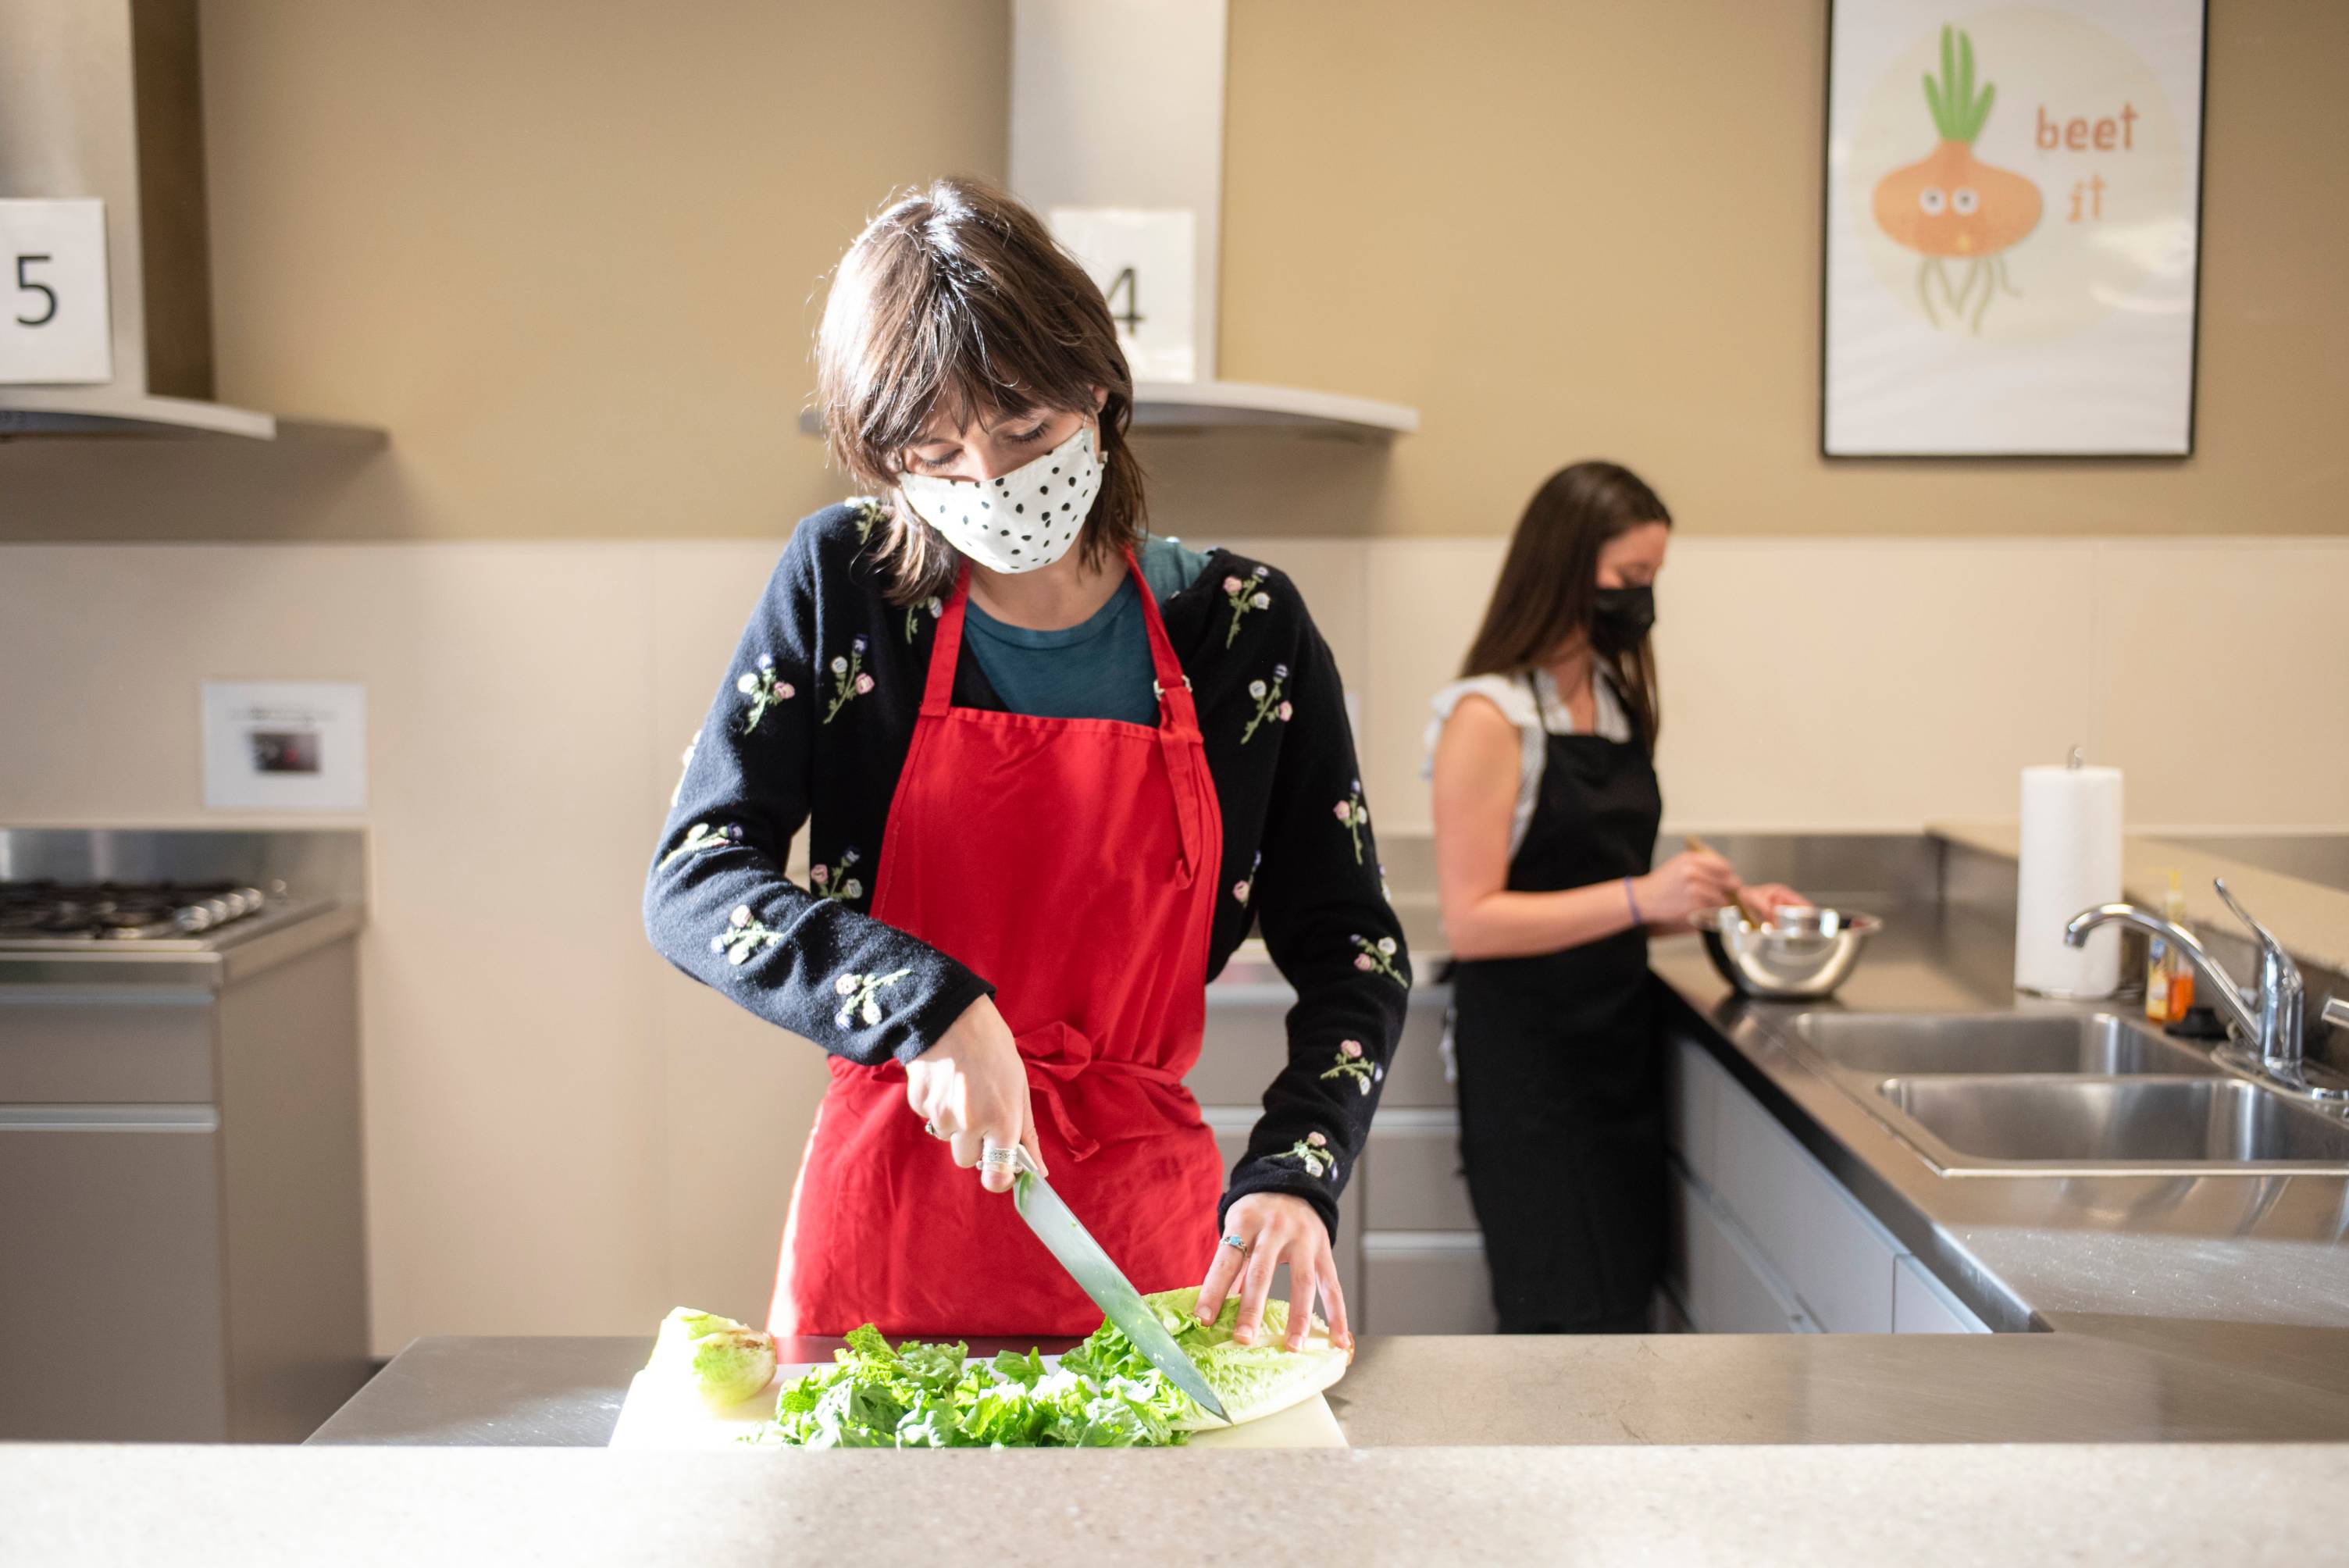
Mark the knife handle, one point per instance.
(1010, 1157)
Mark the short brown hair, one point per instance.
(1549, 582)
(958, 297)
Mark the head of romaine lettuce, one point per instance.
(723, 1361)
(1252, 1380)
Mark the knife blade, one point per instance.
(1066, 1238)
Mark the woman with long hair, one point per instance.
(1546, 807)
(1054, 769)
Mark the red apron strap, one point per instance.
(1178, 729)
(946, 647)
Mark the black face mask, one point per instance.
(1620, 617)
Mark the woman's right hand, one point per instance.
(972, 1088)
(1688, 884)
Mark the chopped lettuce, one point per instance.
(1103, 1394)
(1251, 1380)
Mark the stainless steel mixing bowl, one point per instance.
(1803, 956)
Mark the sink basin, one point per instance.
(2044, 1126)
(1904, 1043)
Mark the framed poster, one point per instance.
(2012, 229)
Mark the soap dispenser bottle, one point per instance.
(2169, 977)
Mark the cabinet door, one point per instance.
(110, 1317)
(1428, 1282)
(1923, 1304)
(1418, 1185)
(1719, 1277)
(1694, 1110)
(105, 1045)
(1815, 1234)
(1247, 1045)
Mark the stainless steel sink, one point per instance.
(2057, 1126)
(1883, 1045)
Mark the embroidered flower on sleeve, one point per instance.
(744, 937)
(841, 888)
(1356, 816)
(859, 997)
(1245, 595)
(764, 689)
(849, 679)
(701, 836)
(1352, 1064)
(1378, 958)
(869, 515)
(685, 766)
(1247, 884)
(913, 615)
(1311, 1151)
(1270, 705)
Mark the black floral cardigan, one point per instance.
(814, 718)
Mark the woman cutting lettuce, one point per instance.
(1053, 768)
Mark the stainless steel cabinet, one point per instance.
(1409, 1258)
(121, 1205)
(1769, 1240)
(181, 1234)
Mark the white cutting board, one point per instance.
(658, 1415)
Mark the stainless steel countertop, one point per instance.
(2206, 1309)
(237, 952)
(2184, 1262)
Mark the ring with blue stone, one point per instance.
(1236, 1242)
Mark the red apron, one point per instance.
(1073, 862)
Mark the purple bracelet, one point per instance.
(1632, 898)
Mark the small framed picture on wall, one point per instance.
(2012, 229)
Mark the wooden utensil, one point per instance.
(1759, 922)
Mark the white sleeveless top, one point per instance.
(1509, 693)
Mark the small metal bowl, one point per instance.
(1802, 955)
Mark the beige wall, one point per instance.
(1574, 229)
(570, 258)
(570, 255)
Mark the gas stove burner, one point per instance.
(121, 912)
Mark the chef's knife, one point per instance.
(1101, 1279)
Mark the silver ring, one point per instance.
(1237, 1242)
(999, 1157)
(931, 1128)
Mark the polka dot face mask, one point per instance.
(1016, 521)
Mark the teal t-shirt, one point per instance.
(1098, 668)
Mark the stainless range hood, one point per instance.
(102, 99)
(1120, 103)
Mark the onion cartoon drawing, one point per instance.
(1950, 205)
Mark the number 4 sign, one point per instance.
(1144, 262)
(55, 324)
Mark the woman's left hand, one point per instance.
(1277, 1229)
(1772, 897)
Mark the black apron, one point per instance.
(1560, 1068)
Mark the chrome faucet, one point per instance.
(2274, 1030)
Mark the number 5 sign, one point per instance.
(55, 326)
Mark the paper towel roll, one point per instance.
(2070, 858)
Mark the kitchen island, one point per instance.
(1916, 1505)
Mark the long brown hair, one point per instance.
(956, 297)
(1550, 577)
